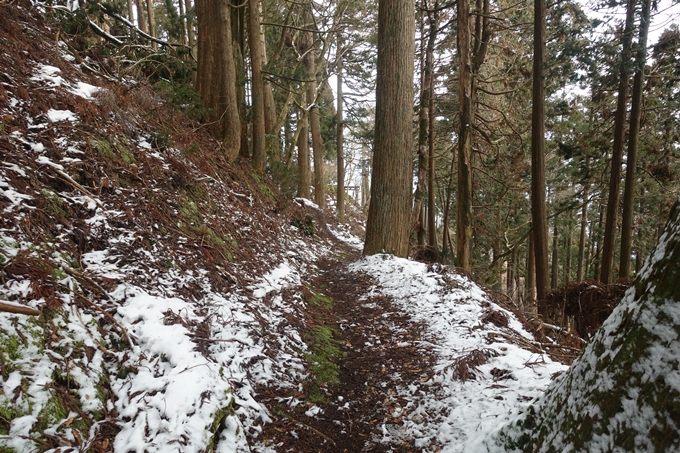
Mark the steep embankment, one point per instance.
(150, 260)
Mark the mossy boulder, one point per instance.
(623, 393)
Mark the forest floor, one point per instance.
(378, 351)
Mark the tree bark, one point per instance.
(431, 182)
(582, 255)
(304, 175)
(617, 151)
(309, 61)
(141, 17)
(531, 273)
(191, 38)
(464, 193)
(238, 35)
(152, 21)
(257, 87)
(538, 208)
(555, 253)
(421, 176)
(339, 141)
(387, 227)
(471, 58)
(216, 73)
(633, 141)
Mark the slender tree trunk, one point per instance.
(191, 37)
(431, 182)
(598, 245)
(464, 193)
(238, 34)
(339, 140)
(582, 236)
(216, 72)
(365, 187)
(567, 270)
(555, 253)
(131, 14)
(617, 151)
(141, 17)
(152, 22)
(633, 140)
(304, 175)
(531, 274)
(182, 22)
(538, 208)
(257, 87)
(387, 227)
(421, 181)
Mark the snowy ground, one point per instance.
(169, 361)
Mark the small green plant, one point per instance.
(54, 203)
(306, 226)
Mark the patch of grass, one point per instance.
(323, 369)
(320, 300)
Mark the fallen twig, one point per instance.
(19, 309)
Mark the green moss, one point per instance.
(126, 155)
(218, 424)
(323, 369)
(53, 412)
(9, 412)
(264, 188)
(104, 148)
(320, 300)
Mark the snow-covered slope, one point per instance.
(623, 393)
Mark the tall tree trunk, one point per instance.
(182, 21)
(309, 62)
(598, 245)
(339, 140)
(273, 137)
(131, 13)
(617, 151)
(633, 140)
(387, 227)
(257, 87)
(141, 17)
(471, 58)
(151, 15)
(216, 73)
(567, 263)
(431, 182)
(531, 274)
(538, 208)
(304, 175)
(555, 253)
(365, 188)
(464, 193)
(582, 236)
(421, 176)
(191, 38)
(238, 34)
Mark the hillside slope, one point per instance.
(149, 258)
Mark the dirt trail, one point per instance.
(380, 352)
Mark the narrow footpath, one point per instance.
(378, 354)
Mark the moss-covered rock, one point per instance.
(623, 393)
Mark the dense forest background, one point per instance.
(291, 87)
